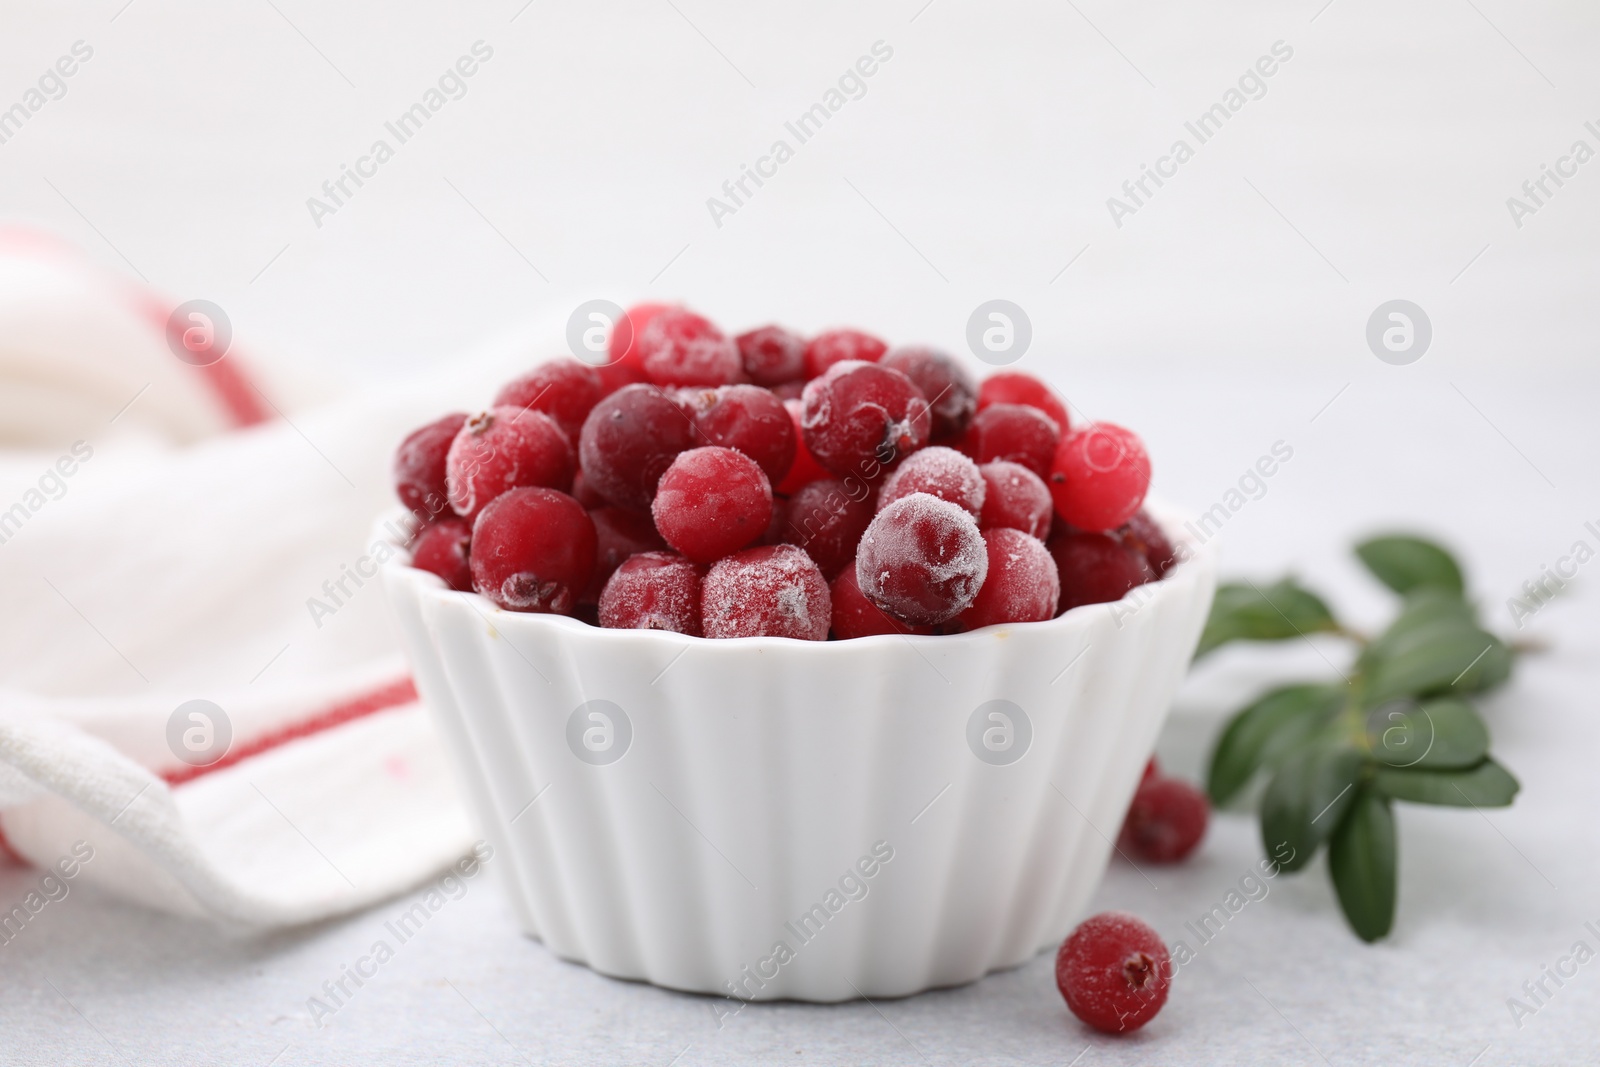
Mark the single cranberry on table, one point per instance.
(836, 346)
(711, 502)
(826, 519)
(772, 355)
(1015, 497)
(1099, 477)
(1114, 972)
(564, 389)
(922, 560)
(619, 534)
(1022, 585)
(805, 469)
(1013, 433)
(505, 448)
(856, 616)
(533, 550)
(1015, 387)
(628, 442)
(678, 347)
(937, 471)
(770, 591)
(951, 394)
(419, 467)
(1165, 822)
(861, 419)
(747, 418)
(653, 591)
(1096, 568)
(1143, 534)
(444, 549)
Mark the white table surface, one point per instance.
(1226, 315)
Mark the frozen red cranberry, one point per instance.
(937, 471)
(419, 467)
(619, 533)
(1013, 433)
(1022, 585)
(1143, 534)
(748, 418)
(861, 419)
(629, 440)
(856, 616)
(1114, 972)
(836, 346)
(1096, 568)
(922, 560)
(1165, 822)
(827, 519)
(1099, 477)
(626, 365)
(533, 550)
(712, 501)
(770, 591)
(444, 549)
(952, 397)
(772, 355)
(805, 469)
(505, 448)
(564, 389)
(679, 347)
(1015, 497)
(1015, 387)
(653, 591)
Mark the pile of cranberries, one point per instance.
(773, 485)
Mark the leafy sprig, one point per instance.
(1336, 755)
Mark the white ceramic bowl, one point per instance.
(772, 818)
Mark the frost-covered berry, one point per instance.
(1114, 972)
(952, 397)
(772, 355)
(678, 347)
(748, 418)
(505, 448)
(837, 346)
(1016, 497)
(1021, 585)
(770, 591)
(922, 560)
(419, 467)
(712, 501)
(937, 471)
(564, 389)
(653, 591)
(533, 550)
(827, 519)
(1013, 433)
(444, 548)
(861, 419)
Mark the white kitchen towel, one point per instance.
(172, 534)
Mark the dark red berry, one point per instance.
(1096, 568)
(861, 419)
(827, 520)
(653, 591)
(770, 591)
(1015, 497)
(712, 501)
(533, 550)
(748, 418)
(836, 346)
(444, 549)
(505, 448)
(1021, 586)
(1099, 476)
(789, 391)
(626, 365)
(937, 471)
(1165, 822)
(1015, 387)
(629, 440)
(419, 467)
(856, 616)
(922, 560)
(1013, 433)
(619, 533)
(1143, 534)
(564, 389)
(584, 494)
(1114, 972)
(805, 469)
(952, 397)
(772, 355)
(678, 347)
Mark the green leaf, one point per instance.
(1436, 735)
(1425, 607)
(1362, 859)
(1305, 800)
(1430, 658)
(1247, 612)
(1266, 731)
(1405, 563)
(1488, 785)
